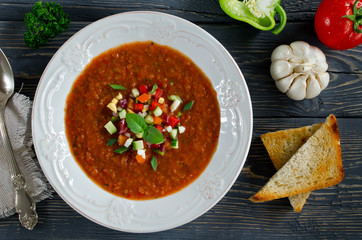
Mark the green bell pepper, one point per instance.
(258, 13)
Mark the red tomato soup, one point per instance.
(121, 141)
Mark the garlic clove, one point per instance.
(283, 52)
(323, 79)
(313, 87)
(284, 84)
(280, 69)
(301, 49)
(298, 89)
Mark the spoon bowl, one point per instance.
(6, 78)
(24, 203)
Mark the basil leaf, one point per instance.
(188, 106)
(135, 122)
(121, 150)
(117, 87)
(154, 163)
(111, 142)
(153, 135)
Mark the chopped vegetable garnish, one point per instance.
(121, 150)
(137, 122)
(158, 111)
(138, 107)
(173, 121)
(122, 114)
(143, 89)
(174, 97)
(158, 94)
(174, 143)
(143, 98)
(153, 106)
(138, 145)
(175, 105)
(188, 106)
(157, 120)
(135, 92)
(111, 142)
(149, 119)
(110, 127)
(173, 133)
(154, 163)
(117, 87)
(140, 159)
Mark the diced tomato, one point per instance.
(158, 93)
(155, 145)
(173, 121)
(138, 107)
(159, 84)
(122, 126)
(143, 89)
(154, 105)
(159, 128)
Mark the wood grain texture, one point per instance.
(331, 213)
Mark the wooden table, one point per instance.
(331, 213)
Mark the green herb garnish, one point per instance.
(154, 88)
(188, 106)
(117, 87)
(45, 21)
(154, 163)
(121, 150)
(137, 124)
(153, 135)
(111, 142)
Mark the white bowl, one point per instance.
(66, 176)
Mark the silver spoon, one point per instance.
(24, 203)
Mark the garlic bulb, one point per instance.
(299, 70)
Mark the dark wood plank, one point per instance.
(207, 11)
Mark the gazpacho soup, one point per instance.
(142, 120)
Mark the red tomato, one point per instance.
(334, 30)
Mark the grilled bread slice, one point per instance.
(316, 164)
(281, 146)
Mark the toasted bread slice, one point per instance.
(281, 146)
(317, 164)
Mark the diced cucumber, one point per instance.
(138, 145)
(122, 114)
(174, 144)
(110, 127)
(149, 119)
(135, 92)
(174, 97)
(173, 133)
(175, 105)
(128, 142)
(139, 135)
(157, 112)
